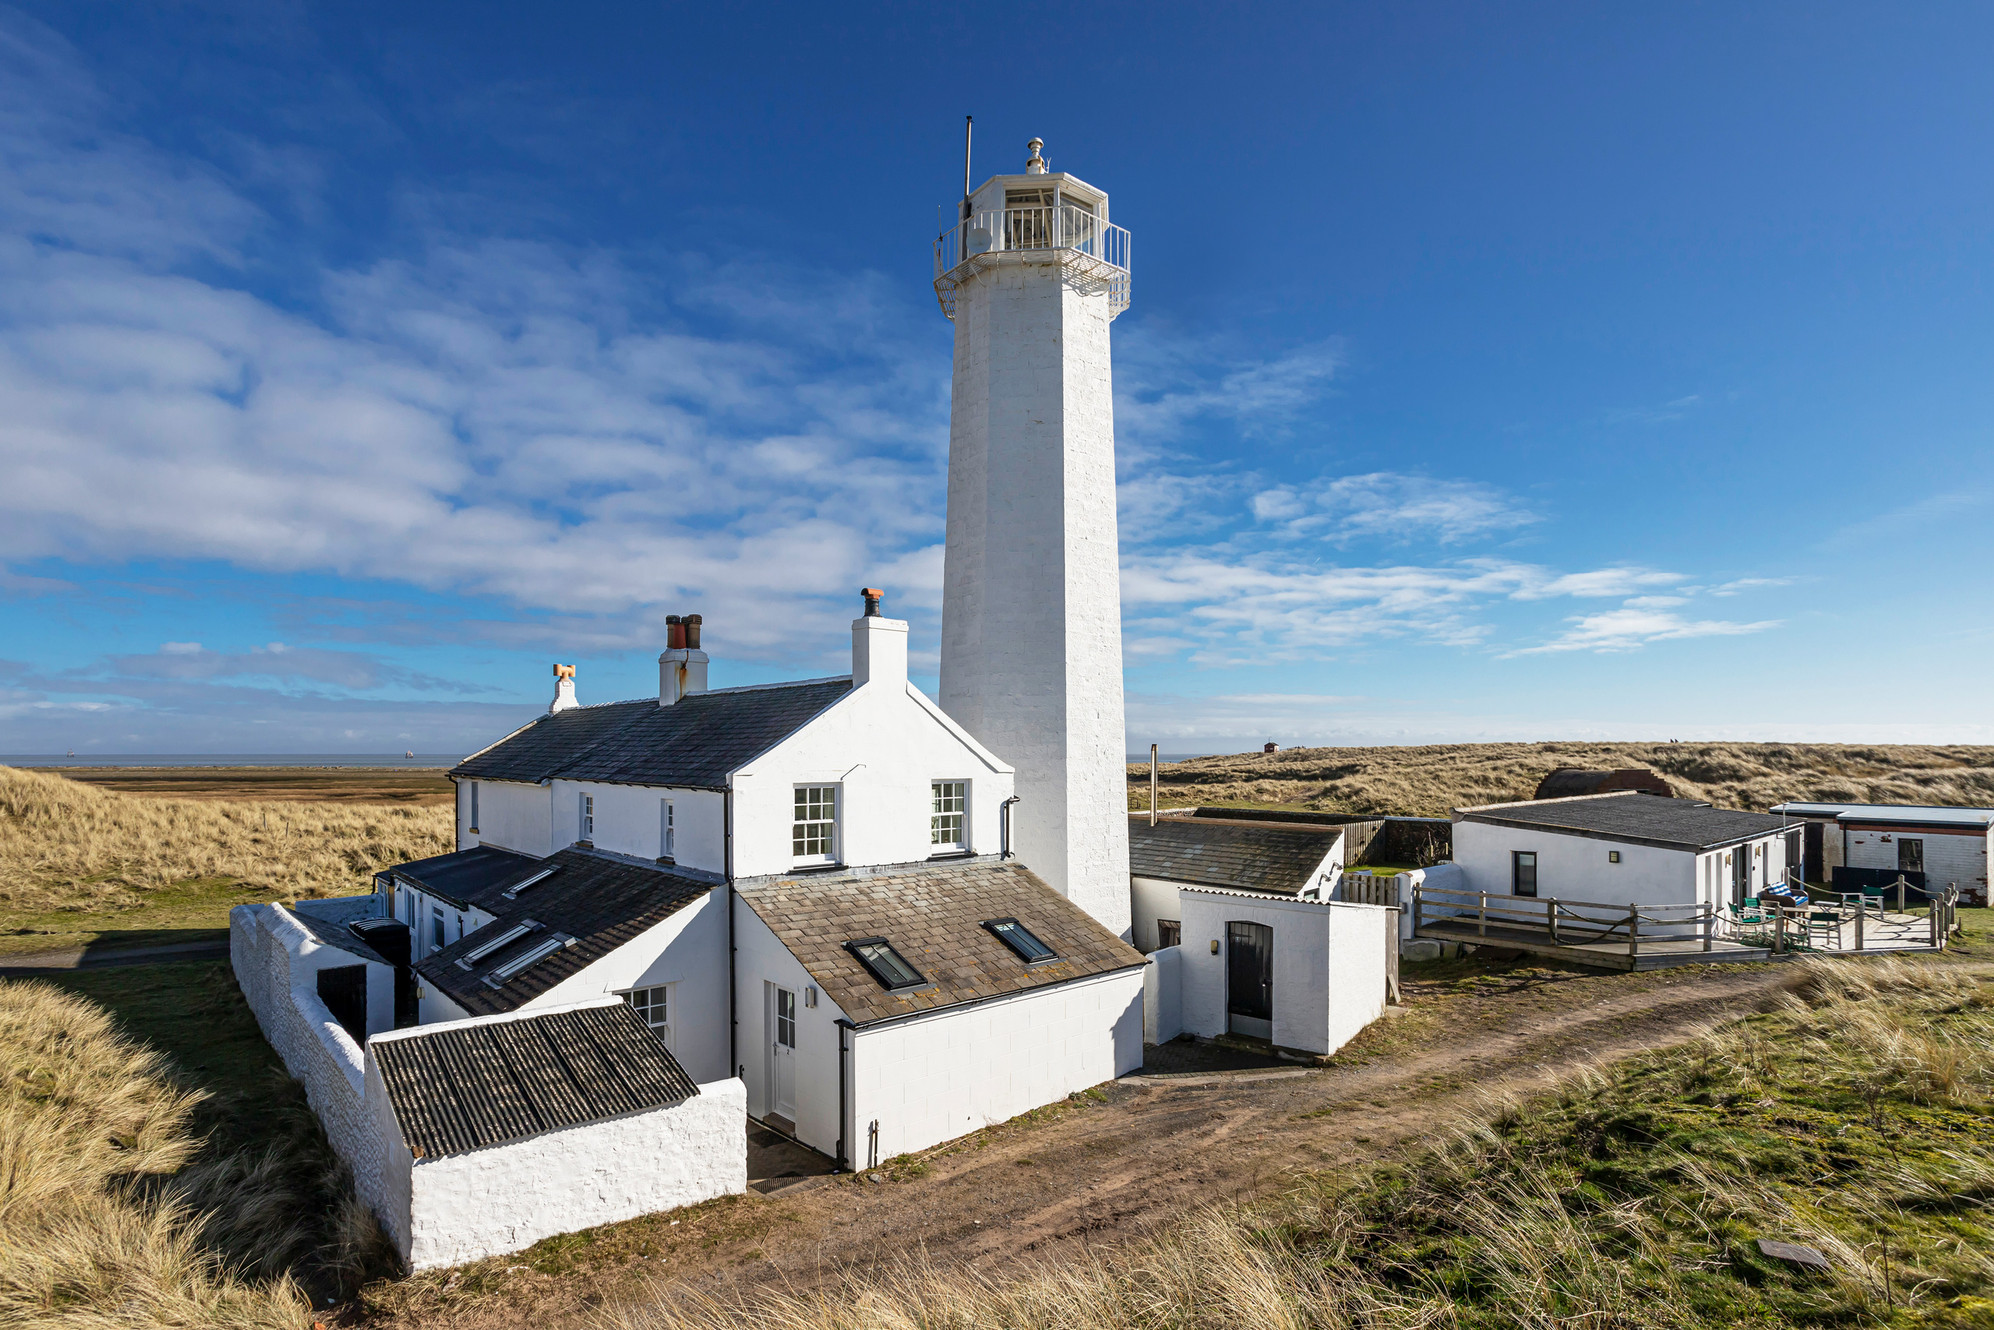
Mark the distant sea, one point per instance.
(230, 760)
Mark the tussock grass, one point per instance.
(65, 846)
(1429, 780)
(1854, 1119)
(108, 1214)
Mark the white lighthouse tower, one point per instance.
(1033, 274)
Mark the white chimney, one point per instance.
(564, 689)
(682, 668)
(879, 646)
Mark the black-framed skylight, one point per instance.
(885, 964)
(1021, 940)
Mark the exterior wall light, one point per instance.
(1613, 856)
(1215, 946)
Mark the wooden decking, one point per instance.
(1631, 937)
(1657, 954)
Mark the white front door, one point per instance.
(782, 1051)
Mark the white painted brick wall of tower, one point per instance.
(1031, 629)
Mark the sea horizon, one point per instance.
(418, 762)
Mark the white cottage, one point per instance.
(1621, 848)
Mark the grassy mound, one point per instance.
(74, 852)
(110, 1213)
(1855, 1120)
(1427, 781)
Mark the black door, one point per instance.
(1249, 979)
(343, 989)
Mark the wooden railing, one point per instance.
(1567, 922)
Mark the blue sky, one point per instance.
(1519, 372)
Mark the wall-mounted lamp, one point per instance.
(1215, 946)
(1613, 856)
(809, 997)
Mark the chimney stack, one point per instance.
(682, 668)
(564, 689)
(879, 645)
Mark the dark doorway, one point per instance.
(1741, 873)
(1910, 854)
(1813, 854)
(344, 992)
(1169, 933)
(1249, 979)
(1796, 872)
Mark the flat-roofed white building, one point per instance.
(1857, 845)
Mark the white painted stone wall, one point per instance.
(1950, 856)
(1329, 965)
(507, 1197)
(1163, 996)
(276, 962)
(883, 745)
(939, 1076)
(1031, 616)
(1150, 901)
(512, 815)
(629, 820)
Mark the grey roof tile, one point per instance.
(1271, 858)
(599, 900)
(461, 1089)
(694, 743)
(933, 914)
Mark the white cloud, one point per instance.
(1636, 625)
(1391, 506)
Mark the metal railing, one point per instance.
(1096, 252)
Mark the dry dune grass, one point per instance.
(1852, 1120)
(1427, 781)
(64, 845)
(106, 1217)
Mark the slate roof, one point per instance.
(327, 922)
(1271, 858)
(1634, 819)
(692, 744)
(477, 876)
(599, 900)
(933, 914)
(462, 1089)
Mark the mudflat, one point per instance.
(422, 787)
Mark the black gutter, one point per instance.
(727, 863)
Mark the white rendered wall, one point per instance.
(276, 962)
(1329, 965)
(759, 960)
(1151, 899)
(503, 1198)
(1575, 867)
(1163, 996)
(1950, 856)
(628, 821)
(1031, 610)
(937, 1077)
(687, 951)
(883, 744)
(511, 816)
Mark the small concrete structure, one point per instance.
(1302, 974)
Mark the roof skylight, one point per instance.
(528, 958)
(505, 939)
(886, 965)
(1021, 940)
(512, 892)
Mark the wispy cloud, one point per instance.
(1636, 625)
(275, 662)
(1390, 506)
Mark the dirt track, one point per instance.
(1104, 1170)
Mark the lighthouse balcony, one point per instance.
(1092, 254)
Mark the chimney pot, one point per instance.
(692, 622)
(674, 633)
(873, 595)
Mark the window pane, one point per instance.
(948, 818)
(887, 964)
(813, 834)
(1020, 939)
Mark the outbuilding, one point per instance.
(1623, 848)
(1853, 846)
(1204, 848)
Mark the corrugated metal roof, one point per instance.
(1636, 819)
(1937, 815)
(601, 901)
(694, 743)
(465, 1088)
(933, 914)
(1279, 859)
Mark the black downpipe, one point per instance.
(844, 1098)
(1004, 826)
(727, 850)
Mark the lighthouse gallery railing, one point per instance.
(1098, 251)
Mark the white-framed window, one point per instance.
(436, 942)
(948, 816)
(668, 831)
(813, 833)
(588, 817)
(654, 1007)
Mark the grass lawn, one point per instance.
(191, 910)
